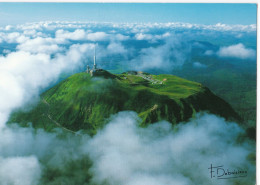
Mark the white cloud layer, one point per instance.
(22, 72)
(237, 51)
(168, 56)
(116, 48)
(19, 170)
(13, 37)
(41, 45)
(22, 75)
(80, 34)
(126, 154)
(151, 38)
(52, 25)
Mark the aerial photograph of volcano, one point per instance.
(128, 93)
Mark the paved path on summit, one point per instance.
(150, 79)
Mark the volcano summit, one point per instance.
(85, 102)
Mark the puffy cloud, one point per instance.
(151, 38)
(13, 37)
(98, 36)
(8, 27)
(135, 27)
(78, 34)
(102, 36)
(226, 27)
(33, 33)
(20, 170)
(5, 51)
(23, 150)
(143, 27)
(116, 48)
(41, 45)
(30, 32)
(121, 37)
(30, 26)
(209, 52)
(22, 72)
(199, 65)
(141, 36)
(166, 57)
(124, 153)
(27, 156)
(237, 51)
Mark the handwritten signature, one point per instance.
(220, 172)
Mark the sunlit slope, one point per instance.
(85, 102)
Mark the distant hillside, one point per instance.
(85, 102)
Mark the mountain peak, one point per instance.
(85, 102)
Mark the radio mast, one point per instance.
(95, 66)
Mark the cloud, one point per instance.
(24, 151)
(78, 34)
(226, 27)
(167, 57)
(209, 52)
(123, 153)
(19, 170)
(199, 65)
(98, 36)
(121, 37)
(31, 157)
(22, 72)
(237, 51)
(143, 27)
(141, 36)
(5, 51)
(19, 37)
(151, 38)
(33, 33)
(135, 27)
(41, 45)
(13, 37)
(116, 48)
(8, 27)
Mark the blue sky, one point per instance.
(16, 13)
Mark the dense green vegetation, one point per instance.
(85, 102)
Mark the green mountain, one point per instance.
(85, 102)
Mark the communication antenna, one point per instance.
(95, 66)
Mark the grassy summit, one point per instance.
(85, 102)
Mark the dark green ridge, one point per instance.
(85, 102)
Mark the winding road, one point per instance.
(55, 122)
